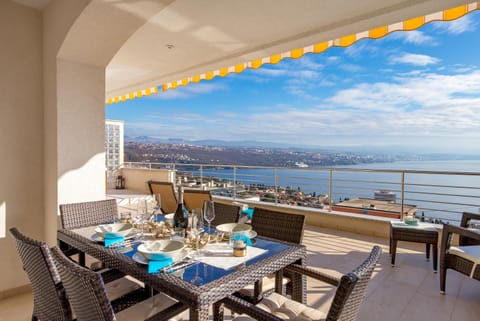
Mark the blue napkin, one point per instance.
(110, 239)
(244, 238)
(155, 266)
(248, 212)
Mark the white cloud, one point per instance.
(189, 91)
(415, 37)
(455, 27)
(414, 59)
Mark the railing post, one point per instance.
(201, 176)
(276, 185)
(403, 195)
(330, 190)
(234, 182)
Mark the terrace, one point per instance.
(63, 60)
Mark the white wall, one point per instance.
(21, 134)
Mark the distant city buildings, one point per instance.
(113, 144)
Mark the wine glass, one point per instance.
(157, 209)
(197, 225)
(209, 213)
(140, 217)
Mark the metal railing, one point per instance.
(439, 196)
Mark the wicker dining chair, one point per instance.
(280, 226)
(49, 299)
(76, 215)
(166, 190)
(225, 213)
(464, 258)
(86, 291)
(351, 290)
(195, 198)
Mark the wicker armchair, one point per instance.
(225, 213)
(167, 194)
(195, 198)
(349, 295)
(86, 292)
(464, 258)
(76, 215)
(276, 225)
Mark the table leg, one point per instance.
(393, 250)
(427, 250)
(200, 314)
(435, 258)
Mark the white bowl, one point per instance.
(233, 227)
(160, 249)
(115, 229)
(169, 218)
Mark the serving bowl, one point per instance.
(161, 249)
(229, 228)
(114, 230)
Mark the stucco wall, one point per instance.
(136, 178)
(21, 138)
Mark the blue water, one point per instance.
(439, 196)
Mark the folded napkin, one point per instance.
(155, 266)
(111, 239)
(248, 212)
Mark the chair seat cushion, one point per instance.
(287, 309)
(118, 288)
(469, 252)
(146, 309)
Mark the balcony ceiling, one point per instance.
(156, 42)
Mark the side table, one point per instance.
(422, 233)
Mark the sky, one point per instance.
(416, 91)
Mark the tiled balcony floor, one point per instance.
(407, 292)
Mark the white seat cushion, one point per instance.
(120, 287)
(146, 309)
(287, 309)
(469, 252)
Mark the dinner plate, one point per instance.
(139, 258)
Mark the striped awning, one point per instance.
(345, 41)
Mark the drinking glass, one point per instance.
(157, 210)
(197, 225)
(208, 213)
(141, 217)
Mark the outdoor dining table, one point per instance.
(199, 285)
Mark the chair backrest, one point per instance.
(167, 194)
(77, 215)
(49, 299)
(466, 218)
(195, 198)
(85, 289)
(352, 289)
(225, 213)
(278, 225)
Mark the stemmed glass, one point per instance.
(197, 227)
(157, 210)
(208, 213)
(141, 216)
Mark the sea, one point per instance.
(440, 197)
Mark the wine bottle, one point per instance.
(179, 219)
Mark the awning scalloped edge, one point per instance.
(376, 33)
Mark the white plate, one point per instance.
(233, 227)
(116, 229)
(252, 234)
(139, 258)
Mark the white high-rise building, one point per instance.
(113, 144)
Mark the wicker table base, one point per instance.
(421, 233)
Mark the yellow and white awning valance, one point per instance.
(345, 41)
